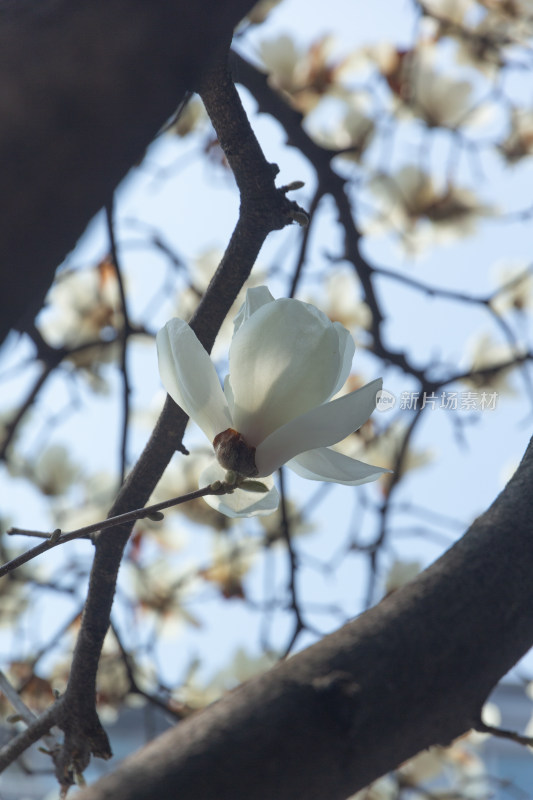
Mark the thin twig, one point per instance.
(124, 335)
(503, 733)
(55, 539)
(306, 234)
(35, 731)
(23, 712)
(293, 566)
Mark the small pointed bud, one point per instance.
(155, 516)
(293, 186)
(300, 217)
(230, 477)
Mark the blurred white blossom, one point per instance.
(343, 303)
(353, 133)
(194, 693)
(486, 353)
(304, 75)
(422, 213)
(515, 291)
(419, 89)
(441, 100)
(448, 11)
(519, 141)
(81, 305)
(53, 471)
(83, 308)
(230, 563)
(192, 116)
(97, 494)
(163, 592)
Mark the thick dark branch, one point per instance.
(412, 672)
(85, 87)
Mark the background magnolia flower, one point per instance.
(519, 141)
(304, 76)
(81, 306)
(487, 353)
(443, 101)
(421, 90)
(515, 287)
(83, 310)
(286, 361)
(53, 470)
(191, 117)
(353, 133)
(340, 299)
(421, 212)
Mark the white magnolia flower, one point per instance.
(286, 361)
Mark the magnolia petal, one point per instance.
(321, 427)
(239, 503)
(228, 393)
(285, 359)
(346, 350)
(256, 297)
(188, 375)
(325, 464)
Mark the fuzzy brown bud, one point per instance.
(234, 454)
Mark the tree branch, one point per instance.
(264, 208)
(403, 676)
(98, 80)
